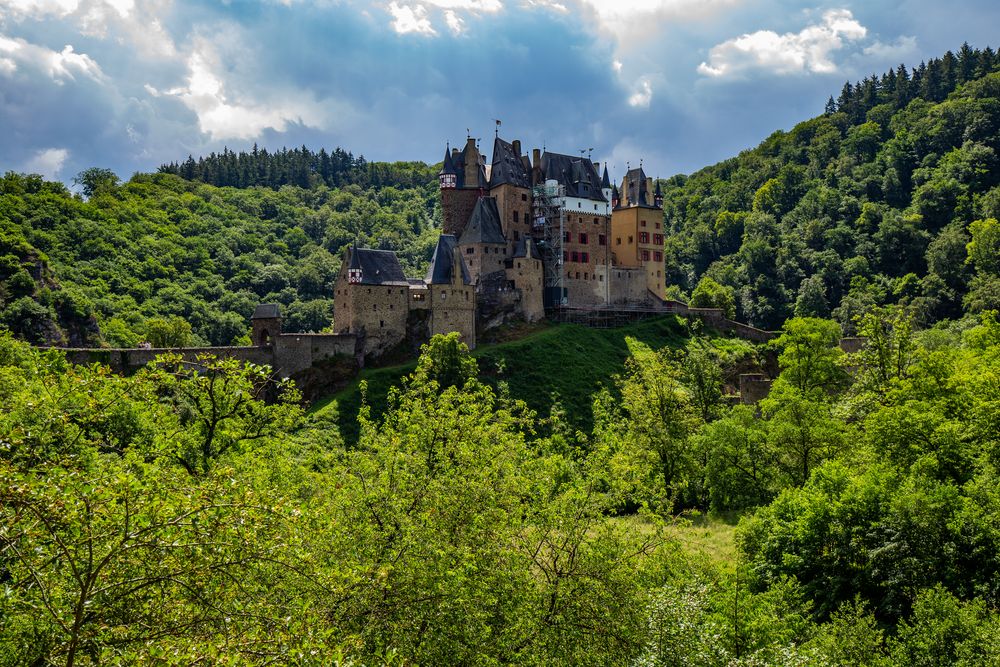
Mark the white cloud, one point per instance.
(454, 21)
(222, 118)
(807, 50)
(58, 65)
(643, 96)
(904, 46)
(47, 162)
(38, 8)
(476, 6)
(7, 66)
(407, 19)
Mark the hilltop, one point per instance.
(871, 203)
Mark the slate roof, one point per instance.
(605, 181)
(577, 174)
(636, 193)
(447, 167)
(439, 272)
(507, 166)
(458, 159)
(266, 311)
(378, 267)
(522, 250)
(484, 224)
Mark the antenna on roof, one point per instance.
(497, 130)
(628, 166)
(640, 163)
(590, 152)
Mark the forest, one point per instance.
(180, 263)
(522, 504)
(872, 203)
(176, 517)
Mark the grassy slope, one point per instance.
(569, 361)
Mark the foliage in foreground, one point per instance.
(178, 518)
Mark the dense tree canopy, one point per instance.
(872, 203)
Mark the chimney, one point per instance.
(517, 147)
(649, 192)
(597, 167)
(536, 157)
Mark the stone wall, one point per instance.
(456, 209)
(628, 285)
(453, 308)
(514, 205)
(483, 258)
(378, 314)
(754, 387)
(527, 276)
(128, 360)
(288, 355)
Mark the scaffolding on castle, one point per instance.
(548, 228)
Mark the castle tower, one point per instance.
(462, 180)
(265, 324)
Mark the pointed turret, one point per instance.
(605, 181)
(616, 198)
(448, 176)
(658, 196)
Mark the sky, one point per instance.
(676, 84)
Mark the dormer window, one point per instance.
(354, 276)
(448, 181)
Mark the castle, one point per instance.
(519, 236)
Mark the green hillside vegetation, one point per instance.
(558, 368)
(177, 518)
(872, 203)
(161, 253)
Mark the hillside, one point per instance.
(871, 203)
(137, 255)
(563, 365)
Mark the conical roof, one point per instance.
(448, 166)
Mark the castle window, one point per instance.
(577, 275)
(470, 250)
(565, 255)
(658, 239)
(517, 235)
(575, 256)
(584, 256)
(381, 323)
(645, 255)
(444, 295)
(602, 239)
(566, 237)
(585, 275)
(579, 205)
(374, 306)
(657, 225)
(418, 297)
(595, 208)
(524, 197)
(390, 306)
(516, 214)
(643, 223)
(601, 278)
(643, 237)
(583, 237)
(619, 241)
(658, 256)
(597, 221)
(630, 240)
